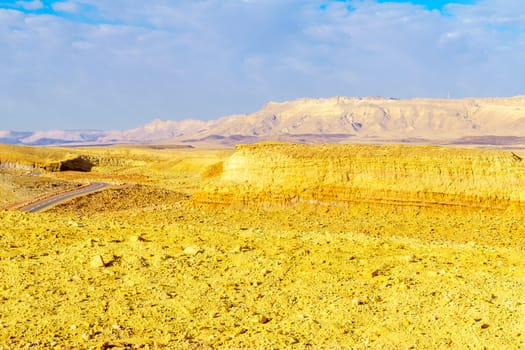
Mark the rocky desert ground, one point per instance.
(268, 246)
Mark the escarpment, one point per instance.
(79, 163)
(339, 175)
(16, 167)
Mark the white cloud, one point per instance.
(67, 6)
(175, 59)
(30, 5)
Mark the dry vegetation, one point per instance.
(147, 265)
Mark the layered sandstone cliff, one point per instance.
(26, 160)
(289, 174)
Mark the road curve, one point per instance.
(43, 204)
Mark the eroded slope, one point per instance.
(334, 175)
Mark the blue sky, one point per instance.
(431, 4)
(99, 64)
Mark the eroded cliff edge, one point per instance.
(342, 175)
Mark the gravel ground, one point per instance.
(163, 273)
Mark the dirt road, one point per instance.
(43, 204)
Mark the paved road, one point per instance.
(48, 202)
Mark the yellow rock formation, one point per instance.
(390, 174)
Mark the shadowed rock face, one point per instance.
(77, 164)
(391, 175)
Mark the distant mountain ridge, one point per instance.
(52, 137)
(323, 120)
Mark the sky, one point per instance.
(118, 64)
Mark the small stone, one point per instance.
(293, 340)
(73, 326)
(136, 239)
(375, 273)
(484, 326)
(91, 242)
(357, 301)
(241, 330)
(97, 262)
(115, 326)
(192, 250)
(242, 248)
(412, 258)
(263, 319)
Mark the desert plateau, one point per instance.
(262, 175)
(483, 122)
(265, 246)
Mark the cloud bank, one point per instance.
(118, 64)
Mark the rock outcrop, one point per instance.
(339, 175)
(75, 164)
(7, 166)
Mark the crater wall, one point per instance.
(290, 174)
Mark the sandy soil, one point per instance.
(169, 274)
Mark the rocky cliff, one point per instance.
(487, 121)
(80, 163)
(379, 117)
(23, 159)
(335, 120)
(339, 175)
(17, 167)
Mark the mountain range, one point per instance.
(496, 121)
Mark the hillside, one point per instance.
(340, 175)
(479, 121)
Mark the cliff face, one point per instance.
(16, 167)
(289, 174)
(325, 120)
(348, 119)
(80, 163)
